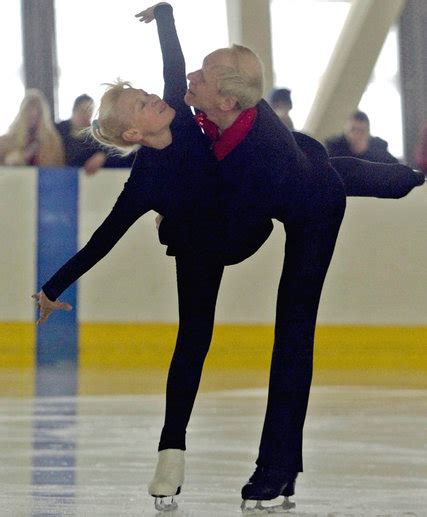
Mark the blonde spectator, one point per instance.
(32, 138)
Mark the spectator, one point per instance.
(281, 102)
(421, 148)
(32, 138)
(81, 150)
(358, 142)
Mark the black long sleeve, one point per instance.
(173, 59)
(128, 208)
(139, 194)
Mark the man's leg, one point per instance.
(308, 252)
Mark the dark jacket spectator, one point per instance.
(81, 150)
(358, 142)
(281, 102)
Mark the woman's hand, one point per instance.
(46, 306)
(147, 15)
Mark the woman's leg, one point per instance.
(308, 252)
(198, 283)
(369, 179)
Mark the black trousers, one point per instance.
(309, 248)
(308, 252)
(362, 178)
(198, 280)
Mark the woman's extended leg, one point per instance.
(369, 179)
(361, 177)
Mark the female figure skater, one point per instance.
(175, 174)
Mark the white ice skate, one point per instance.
(168, 479)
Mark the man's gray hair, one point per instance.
(244, 79)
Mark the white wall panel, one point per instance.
(378, 274)
(18, 220)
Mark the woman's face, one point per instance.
(145, 112)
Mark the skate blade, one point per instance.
(162, 505)
(260, 509)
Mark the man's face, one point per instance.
(357, 134)
(202, 90)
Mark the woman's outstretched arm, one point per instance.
(128, 208)
(173, 59)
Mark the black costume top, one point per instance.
(180, 182)
(268, 175)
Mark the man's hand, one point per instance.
(94, 163)
(46, 306)
(147, 15)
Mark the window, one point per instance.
(12, 66)
(304, 33)
(100, 40)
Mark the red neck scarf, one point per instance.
(225, 142)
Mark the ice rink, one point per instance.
(365, 454)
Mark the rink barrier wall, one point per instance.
(372, 317)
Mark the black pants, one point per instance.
(362, 178)
(308, 252)
(198, 278)
(309, 248)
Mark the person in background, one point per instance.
(421, 148)
(281, 102)
(32, 138)
(81, 150)
(358, 142)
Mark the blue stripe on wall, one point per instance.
(57, 237)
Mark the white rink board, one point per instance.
(378, 274)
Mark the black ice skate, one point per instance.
(168, 479)
(422, 176)
(267, 484)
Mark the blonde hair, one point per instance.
(244, 79)
(110, 125)
(51, 150)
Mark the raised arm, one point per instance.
(173, 59)
(128, 208)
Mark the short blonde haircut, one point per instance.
(244, 79)
(110, 125)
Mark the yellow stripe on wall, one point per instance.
(249, 346)
(17, 359)
(127, 345)
(239, 356)
(17, 344)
